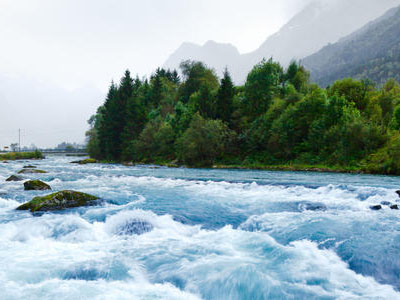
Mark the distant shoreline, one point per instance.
(288, 168)
(20, 155)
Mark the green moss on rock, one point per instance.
(29, 167)
(85, 161)
(58, 201)
(36, 185)
(14, 178)
(31, 171)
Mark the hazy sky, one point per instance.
(57, 57)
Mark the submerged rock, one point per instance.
(36, 185)
(29, 167)
(14, 178)
(85, 161)
(135, 226)
(376, 207)
(31, 171)
(312, 206)
(386, 203)
(395, 206)
(58, 201)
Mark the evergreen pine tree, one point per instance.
(105, 130)
(118, 115)
(135, 122)
(225, 96)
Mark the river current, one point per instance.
(164, 233)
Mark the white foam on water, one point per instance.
(234, 195)
(8, 203)
(213, 264)
(101, 289)
(74, 255)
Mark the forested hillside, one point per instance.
(276, 117)
(372, 52)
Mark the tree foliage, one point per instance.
(277, 116)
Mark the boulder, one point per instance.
(14, 178)
(31, 171)
(134, 227)
(398, 192)
(312, 206)
(36, 185)
(29, 167)
(59, 201)
(395, 206)
(376, 207)
(85, 161)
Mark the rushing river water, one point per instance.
(200, 234)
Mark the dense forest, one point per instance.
(276, 118)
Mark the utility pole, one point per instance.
(19, 139)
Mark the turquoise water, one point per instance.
(165, 233)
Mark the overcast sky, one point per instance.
(57, 57)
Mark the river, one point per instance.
(165, 233)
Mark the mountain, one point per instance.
(213, 54)
(319, 23)
(372, 52)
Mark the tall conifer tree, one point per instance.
(225, 96)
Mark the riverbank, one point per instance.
(21, 155)
(282, 167)
(295, 167)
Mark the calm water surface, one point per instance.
(165, 233)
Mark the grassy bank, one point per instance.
(259, 166)
(362, 168)
(294, 167)
(21, 155)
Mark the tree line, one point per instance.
(276, 117)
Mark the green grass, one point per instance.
(21, 155)
(294, 167)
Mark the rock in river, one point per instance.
(14, 178)
(58, 201)
(85, 161)
(29, 167)
(31, 171)
(36, 185)
(376, 207)
(303, 206)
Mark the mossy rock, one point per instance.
(85, 161)
(58, 201)
(14, 178)
(31, 171)
(36, 185)
(29, 167)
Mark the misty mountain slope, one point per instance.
(214, 54)
(373, 52)
(318, 24)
